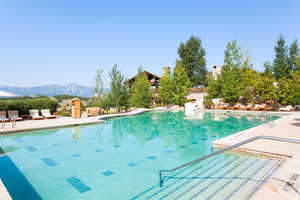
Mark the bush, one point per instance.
(24, 105)
(64, 97)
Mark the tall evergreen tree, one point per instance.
(98, 90)
(192, 57)
(297, 66)
(268, 69)
(233, 56)
(140, 95)
(117, 95)
(293, 54)
(181, 84)
(166, 87)
(280, 63)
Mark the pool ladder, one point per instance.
(161, 177)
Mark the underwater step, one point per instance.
(230, 177)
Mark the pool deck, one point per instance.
(287, 127)
(28, 125)
(3, 192)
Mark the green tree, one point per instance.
(285, 93)
(166, 87)
(264, 88)
(268, 69)
(232, 56)
(140, 95)
(98, 90)
(118, 95)
(181, 84)
(192, 57)
(293, 54)
(214, 89)
(232, 86)
(297, 63)
(280, 63)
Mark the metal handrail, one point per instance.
(161, 178)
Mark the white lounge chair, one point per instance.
(46, 113)
(34, 114)
(3, 118)
(14, 115)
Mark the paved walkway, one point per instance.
(27, 125)
(3, 192)
(287, 127)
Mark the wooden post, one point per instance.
(76, 112)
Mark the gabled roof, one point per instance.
(148, 73)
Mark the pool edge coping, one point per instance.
(4, 194)
(289, 158)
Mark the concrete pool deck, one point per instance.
(28, 125)
(3, 192)
(287, 127)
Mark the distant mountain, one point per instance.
(7, 94)
(51, 90)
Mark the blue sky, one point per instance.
(65, 41)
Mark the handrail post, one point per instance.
(160, 179)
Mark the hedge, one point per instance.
(23, 106)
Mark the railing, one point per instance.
(161, 177)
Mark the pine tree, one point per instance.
(192, 57)
(166, 87)
(293, 54)
(140, 95)
(233, 56)
(98, 90)
(297, 64)
(181, 84)
(117, 95)
(268, 69)
(280, 63)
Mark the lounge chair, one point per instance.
(46, 113)
(243, 107)
(249, 106)
(263, 107)
(237, 106)
(225, 106)
(256, 107)
(3, 118)
(269, 108)
(13, 115)
(286, 108)
(34, 114)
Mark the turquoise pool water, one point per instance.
(118, 159)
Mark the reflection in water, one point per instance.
(177, 130)
(76, 133)
(187, 135)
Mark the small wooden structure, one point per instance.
(76, 112)
(153, 79)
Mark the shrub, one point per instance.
(23, 106)
(64, 97)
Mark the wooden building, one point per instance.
(153, 80)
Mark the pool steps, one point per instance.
(223, 177)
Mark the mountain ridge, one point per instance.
(73, 89)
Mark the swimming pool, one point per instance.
(118, 159)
